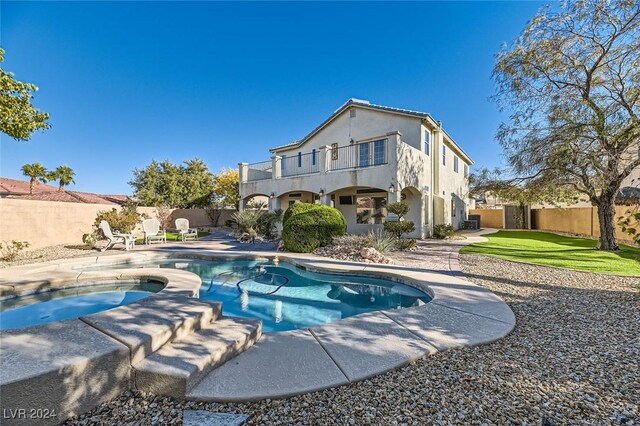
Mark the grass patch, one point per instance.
(543, 248)
(174, 236)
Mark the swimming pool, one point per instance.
(288, 297)
(60, 305)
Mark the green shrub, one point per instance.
(309, 226)
(10, 251)
(399, 228)
(295, 209)
(382, 241)
(246, 220)
(406, 243)
(123, 221)
(443, 231)
(266, 225)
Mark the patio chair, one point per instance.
(182, 225)
(152, 231)
(112, 239)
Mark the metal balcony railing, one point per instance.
(300, 164)
(359, 155)
(260, 171)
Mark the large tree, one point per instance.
(175, 185)
(36, 173)
(64, 175)
(18, 117)
(226, 188)
(571, 83)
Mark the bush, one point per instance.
(123, 221)
(406, 243)
(10, 251)
(266, 224)
(382, 241)
(295, 209)
(309, 226)
(443, 231)
(399, 228)
(246, 220)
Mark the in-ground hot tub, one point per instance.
(69, 303)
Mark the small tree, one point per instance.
(226, 188)
(18, 117)
(399, 227)
(64, 175)
(36, 173)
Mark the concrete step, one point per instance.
(182, 364)
(149, 324)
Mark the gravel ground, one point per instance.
(49, 253)
(573, 359)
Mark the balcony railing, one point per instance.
(359, 155)
(260, 171)
(300, 164)
(354, 156)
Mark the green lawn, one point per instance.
(544, 248)
(174, 236)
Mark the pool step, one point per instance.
(149, 324)
(182, 364)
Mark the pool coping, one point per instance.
(460, 314)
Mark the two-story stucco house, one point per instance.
(361, 158)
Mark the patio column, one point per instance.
(243, 169)
(276, 167)
(324, 159)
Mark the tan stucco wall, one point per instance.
(582, 221)
(47, 223)
(489, 218)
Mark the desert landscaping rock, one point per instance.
(573, 359)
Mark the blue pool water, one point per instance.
(286, 297)
(59, 305)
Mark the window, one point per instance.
(283, 162)
(313, 157)
(299, 159)
(371, 210)
(455, 163)
(378, 152)
(444, 155)
(466, 170)
(453, 208)
(363, 155)
(427, 142)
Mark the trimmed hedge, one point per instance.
(309, 226)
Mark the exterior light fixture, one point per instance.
(392, 189)
(273, 195)
(321, 193)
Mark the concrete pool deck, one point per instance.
(279, 364)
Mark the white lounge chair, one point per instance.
(127, 239)
(182, 225)
(152, 231)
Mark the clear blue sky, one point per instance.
(126, 83)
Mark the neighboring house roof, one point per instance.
(368, 105)
(19, 189)
(15, 186)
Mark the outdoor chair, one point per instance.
(127, 239)
(152, 231)
(182, 225)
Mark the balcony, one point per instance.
(327, 159)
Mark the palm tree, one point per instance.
(36, 172)
(64, 175)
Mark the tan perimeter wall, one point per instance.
(581, 221)
(47, 223)
(489, 218)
